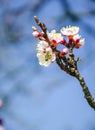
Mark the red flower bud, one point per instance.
(63, 42)
(54, 43)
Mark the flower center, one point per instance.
(47, 56)
(56, 35)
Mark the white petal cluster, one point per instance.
(70, 30)
(45, 53)
(72, 33)
(55, 36)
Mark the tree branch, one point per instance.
(68, 64)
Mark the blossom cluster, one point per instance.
(45, 53)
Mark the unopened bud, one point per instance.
(64, 52)
(63, 42)
(80, 44)
(37, 34)
(34, 28)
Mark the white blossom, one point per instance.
(45, 54)
(55, 37)
(70, 30)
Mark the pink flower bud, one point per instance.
(37, 34)
(80, 43)
(76, 41)
(64, 52)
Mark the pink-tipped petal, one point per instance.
(64, 52)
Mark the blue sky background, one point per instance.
(44, 98)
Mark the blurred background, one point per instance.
(44, 98)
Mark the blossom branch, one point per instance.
(44, 29)
(48, 52)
